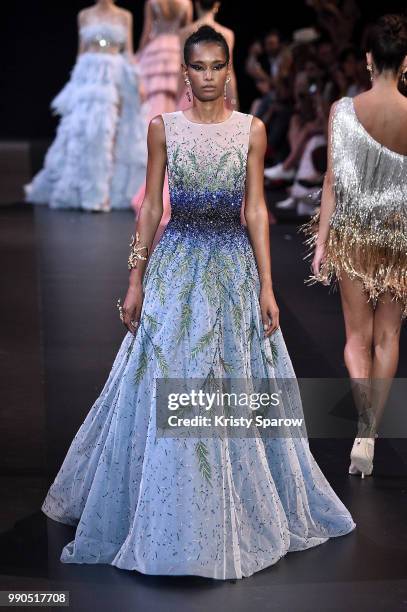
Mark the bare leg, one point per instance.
(386, 338)
(358, 316)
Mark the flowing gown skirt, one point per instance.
(98, 158)
(143, 502)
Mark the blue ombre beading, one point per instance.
(207, 177)
(207, 212)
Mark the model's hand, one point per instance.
(319, 258)
(132, 307)
(269, 311)
(142, 92)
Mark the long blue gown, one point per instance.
(215, 507)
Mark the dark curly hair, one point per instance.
(387, 42)
(205, 34)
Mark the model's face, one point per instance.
(207, 71)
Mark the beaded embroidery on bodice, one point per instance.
(206, 170)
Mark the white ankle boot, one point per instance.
(362, 456)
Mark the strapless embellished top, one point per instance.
(104, 35)
(368, 228)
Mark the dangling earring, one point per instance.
(188, 95)
(370, 69)
(224, 91)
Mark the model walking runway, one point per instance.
(216, 508)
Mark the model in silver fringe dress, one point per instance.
(368, 229)
(360, 232)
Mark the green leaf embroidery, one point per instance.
(226, 366)
(142, 367)
(204, 465)
(186, 291)
(153, 323)
(161, 359)
(267, 358)
(237, 316)
(209, 286)
(274, 350)
(222, 162)
(203, 342)
(183, 267)
(185, 323)
(250, 332)
(160, 288)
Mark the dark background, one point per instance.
(39, 41)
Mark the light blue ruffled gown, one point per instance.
(98, 158)
(215, 507)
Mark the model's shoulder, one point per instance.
(125, 15)
(340, 107)
(343, 102)
(170, 117)
(244, 117)
(84, 13)
(156, 127)
(157, 120)
(226, 32)
(87, 10)
(256, 125)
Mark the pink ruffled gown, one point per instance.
(160, 64)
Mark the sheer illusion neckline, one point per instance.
(217, 123)
(376, 142)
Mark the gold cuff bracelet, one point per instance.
(134, 252)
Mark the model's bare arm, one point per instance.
(147, 26)
(81, 22)
(189, 15)
(257, 220)
(129, 38)
(327, 203)
(149, 216)
(232, 89)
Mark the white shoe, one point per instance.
(362, 456)
(286, 204)
(277, 172)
